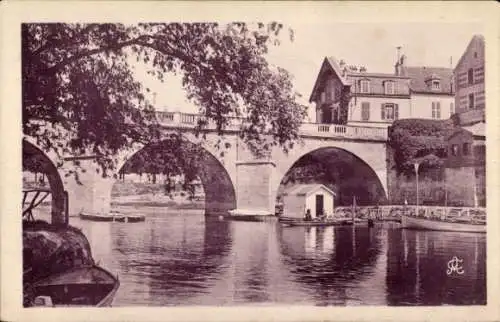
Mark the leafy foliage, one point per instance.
(419, 140)
(80, 96)
(171, 157)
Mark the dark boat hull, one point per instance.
(428, 224)
(84, 286)
(98, 217)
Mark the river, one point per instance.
(182, 258)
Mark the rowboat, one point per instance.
(446, 225)
(98, 217)
(82, 286)
(313, 223)
(113, 216)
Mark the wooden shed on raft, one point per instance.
(318, 198)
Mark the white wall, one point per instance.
(294, 206)
(375, 104)
(327, 202)
(421, 105)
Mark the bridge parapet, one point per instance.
(187, 120)
(344, 131)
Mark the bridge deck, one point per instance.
(185, 120)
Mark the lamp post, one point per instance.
(416, 165)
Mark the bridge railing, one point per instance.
(347, 131)
(394, 212)
(313, 129)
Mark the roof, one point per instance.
(418, 76)
(368, 75)
(329, 63)
(478, 129)
(306, 189)
(457, 131)
(475, 39)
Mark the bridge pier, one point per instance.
(93, 194)
(254, 186)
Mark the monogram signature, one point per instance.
(454, 266)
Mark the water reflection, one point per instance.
(416, 272)
(187, 259)
(330, 260)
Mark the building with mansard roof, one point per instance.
(347, 95)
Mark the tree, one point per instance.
(419, 140)
(171, 157)
(80, 96)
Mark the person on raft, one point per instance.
(308, 216)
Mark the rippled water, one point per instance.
(184, 258)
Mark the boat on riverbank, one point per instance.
(113, 216)
(413, 222)
(82, 286)
(289, 221)
(313, 223)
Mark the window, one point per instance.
(471, 101)
(465, 149)
(330, 90)
(389, 111)
(475, 54)
(365, 111)
(389, 87)
(454, 149)
(452, 109)
(322, 97)
(436, 85)
(364, 86)
(436, 110)
(329, 94)
(470, 76)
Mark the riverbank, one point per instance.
(155, 200)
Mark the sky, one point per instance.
(371, 45)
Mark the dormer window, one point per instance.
(433, 82)
(389, 87)
(364, 85)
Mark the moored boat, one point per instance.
(290, 221)
(313, 223)
(97, 217)
(113, 216)
(445, 225)
(82, 286)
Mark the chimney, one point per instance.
(397, 68)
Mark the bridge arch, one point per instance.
(47, 166)
(350, 173)
(217, 182)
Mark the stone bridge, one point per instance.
(237, 180)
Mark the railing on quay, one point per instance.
(394, 212)
(185, 120)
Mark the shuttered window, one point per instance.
(470, 76)
(364, 86)
(389, 111)
(365, 111)
(471, 101)
(436, 110)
